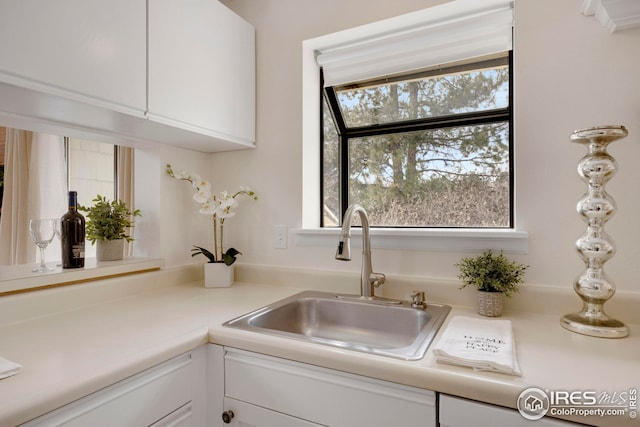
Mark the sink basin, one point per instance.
(378, 326)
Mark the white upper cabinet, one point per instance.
(617, 15)
(178, 72)
(91, 51)
(202, 69)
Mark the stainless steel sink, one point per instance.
(378, 326)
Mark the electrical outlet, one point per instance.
(280, 237)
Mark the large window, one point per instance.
(430, 148)
(91, 169)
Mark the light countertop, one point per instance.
(88, 338)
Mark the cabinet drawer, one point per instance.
(325, 396)
(139, 400)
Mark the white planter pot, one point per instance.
(490, 303)
(110, 250)
(218, 275)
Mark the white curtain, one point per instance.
(15, 243)
(35, 187)
(454, 31)
(48, 183)
(125, 182)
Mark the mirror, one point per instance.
(37, 188)
(2, 144)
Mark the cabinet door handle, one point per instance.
(227, 416)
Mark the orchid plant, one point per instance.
(220, 206)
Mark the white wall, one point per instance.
(170, 224)
(570, 73)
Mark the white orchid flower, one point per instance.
(225, 215)
(182, 175)
(196, 180)
(203, 185)
(208, 208)
(201, 197)
(219, 207)
(227, 203)
(203, 192)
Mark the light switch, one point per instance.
(280, 237)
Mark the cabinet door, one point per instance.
(92, 51)
(458, 412)
(168, 392)
(181, 417)
(246, 415)
(325, 396)
(202, 69)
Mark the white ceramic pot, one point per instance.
(490, 303)
(218, 275)
(110, 250)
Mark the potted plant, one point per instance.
(218, 272)
(493, 275)
(109, 224)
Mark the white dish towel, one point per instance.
(482, 344)
(8, 368)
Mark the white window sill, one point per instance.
(16, 278)
(445, 240)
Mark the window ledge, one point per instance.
(20, 278)
(445, 240)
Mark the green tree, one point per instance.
(440, 177)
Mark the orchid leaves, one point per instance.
(229, 257)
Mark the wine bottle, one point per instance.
(72, 235)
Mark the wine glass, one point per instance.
(58, 234)
(42, 232)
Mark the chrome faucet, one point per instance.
(368, 279)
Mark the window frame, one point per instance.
(67, 159)
(328, 95)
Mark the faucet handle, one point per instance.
(377, 279)
(418, 300)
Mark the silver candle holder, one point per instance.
(596, 247)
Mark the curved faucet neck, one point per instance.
(364, 220)
(368, 279)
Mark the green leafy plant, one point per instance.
(229, 257)
(491, 273)
(108, 220)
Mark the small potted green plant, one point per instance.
(109, 224)
(493, 275)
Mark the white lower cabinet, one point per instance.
(242, 414)
(198, 388)
(458, 412)
(181, 417)
(264, 391)
(172, 393)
